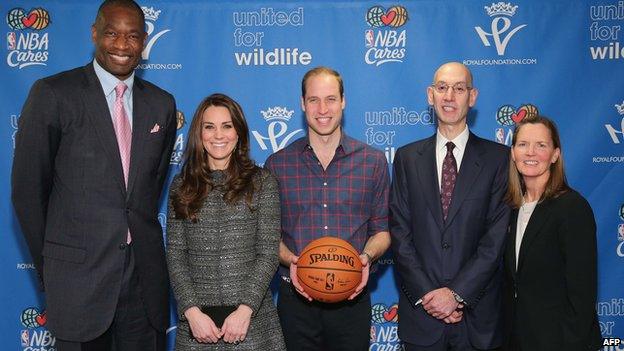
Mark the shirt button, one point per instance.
(123, 246)
(324, 205)
(445, 245)
(325, 227)
(325, 184)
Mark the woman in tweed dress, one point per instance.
(223, 234)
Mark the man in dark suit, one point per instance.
(448, 224)
(91, 157)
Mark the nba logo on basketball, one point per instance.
(329, 281)
(369, 38)
(11, 41)
(24, 338)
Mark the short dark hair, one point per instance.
(130, 4)
(321, 70)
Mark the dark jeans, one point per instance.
(130, 330)
(314, 326)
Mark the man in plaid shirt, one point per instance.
(330, 185)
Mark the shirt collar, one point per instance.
(109, 81)
(460, 141)
(346, 143)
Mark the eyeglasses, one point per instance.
(458, 88)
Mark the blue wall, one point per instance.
(563, 58)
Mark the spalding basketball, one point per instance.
(329, 269)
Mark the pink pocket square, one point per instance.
(155, 129)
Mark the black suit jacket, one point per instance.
(464, 252)
(550, 299)
(72, 204)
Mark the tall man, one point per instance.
(330, 185)
(448, 223)
(91, 157)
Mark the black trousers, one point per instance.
(130, 329)
(454, 338)
(316, 326)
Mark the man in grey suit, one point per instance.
(448, 224)
(92, 153)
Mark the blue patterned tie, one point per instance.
(449, 177)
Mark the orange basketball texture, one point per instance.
(329, 269)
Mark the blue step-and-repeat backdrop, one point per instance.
(562, 58)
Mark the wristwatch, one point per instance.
(457, 297)
(370, 258)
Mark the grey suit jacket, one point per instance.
(72, 204)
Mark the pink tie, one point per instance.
(122, 130)
(123, 133)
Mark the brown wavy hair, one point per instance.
(196, 183)
(556, 184)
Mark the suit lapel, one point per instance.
(467, 176)
(99, 116)
(428, 174)
(537, 220)
(140, 129)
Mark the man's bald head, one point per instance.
(454, 67)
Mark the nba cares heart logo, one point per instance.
(518, 116)
(392, 314)
(377, 16)
(41, 318)
(509, 115)
(388, 17)
(29, 20)
(384, 314)
(36, 19)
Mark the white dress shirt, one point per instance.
(109, 82)
(460, 142)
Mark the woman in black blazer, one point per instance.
(550, 256)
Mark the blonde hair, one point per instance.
(556, 184)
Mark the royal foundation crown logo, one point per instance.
(501, 32)
(277, 130)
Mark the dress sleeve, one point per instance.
(267, 242)
(177, 257)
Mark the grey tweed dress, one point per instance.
(228, 258)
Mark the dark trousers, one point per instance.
(130, 330)
(315, 326)
(454, 338)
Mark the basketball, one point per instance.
(329, 269)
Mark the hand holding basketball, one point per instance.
(293, 277)
(365, 272)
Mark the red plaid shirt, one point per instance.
(348, 200)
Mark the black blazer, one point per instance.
(464, 252)
(550, 301)
(72, 204)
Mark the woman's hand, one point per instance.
(203, 328)
(236, 324)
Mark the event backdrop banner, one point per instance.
(563, 58)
